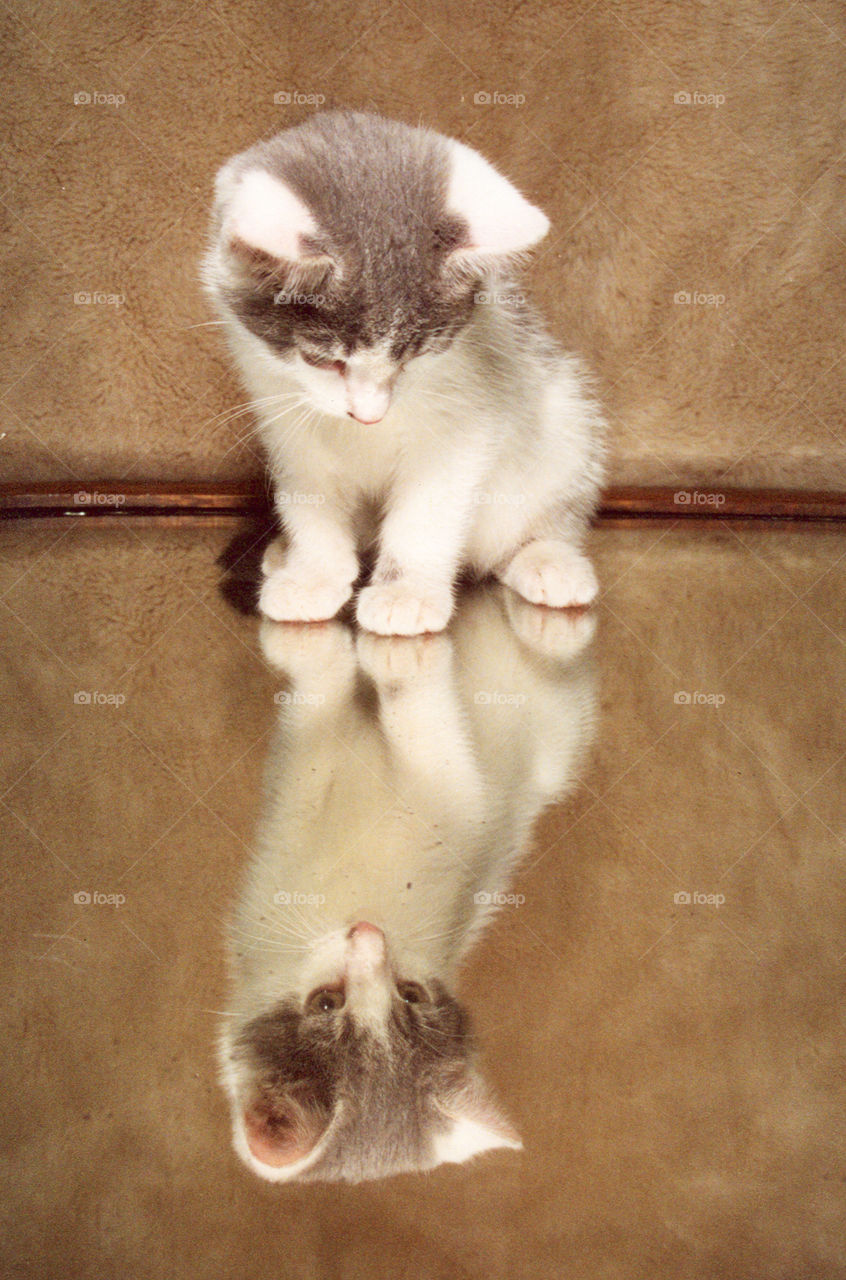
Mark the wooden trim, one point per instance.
(117, 500)
(711, 502)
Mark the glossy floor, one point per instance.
(656, 1000)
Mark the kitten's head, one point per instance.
(360, 1072)
(352, 245)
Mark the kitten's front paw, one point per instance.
(552, 573)
(403, 608)
(287, 597)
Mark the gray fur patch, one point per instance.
(376, 190)
(380, 1095)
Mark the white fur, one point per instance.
(501, 220)
(463, 488)
(469, 1138)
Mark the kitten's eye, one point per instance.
(412, 993)
(325, 1000)
(339, 366)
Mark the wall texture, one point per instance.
(689, 155)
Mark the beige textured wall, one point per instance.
(734, 199)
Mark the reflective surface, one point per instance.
(655, 997)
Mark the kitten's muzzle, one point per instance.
(366, 952)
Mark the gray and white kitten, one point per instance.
(401, 790)
(409, 400)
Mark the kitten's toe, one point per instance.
(552, 573)
(402, 608)
(552, 633)
(289, 598)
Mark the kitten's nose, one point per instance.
(363, 928)
(368, 401)
(368, 422)
(365, 950)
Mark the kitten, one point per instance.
(400, 791)
(408, 398)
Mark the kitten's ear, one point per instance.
(264, 223)
(275, 1138)
(475, 1124)
(500, 220)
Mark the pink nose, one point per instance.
(365, 952)
(363, 928)
(367, 401)
(367, 422)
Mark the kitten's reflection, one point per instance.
(400, 792)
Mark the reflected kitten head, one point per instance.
(359, 1073)
(351, 246)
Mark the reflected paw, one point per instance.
(303, 650)
(399, 658)
(552, 633)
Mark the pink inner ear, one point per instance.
(279, 1136)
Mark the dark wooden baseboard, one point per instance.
(114, 500)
